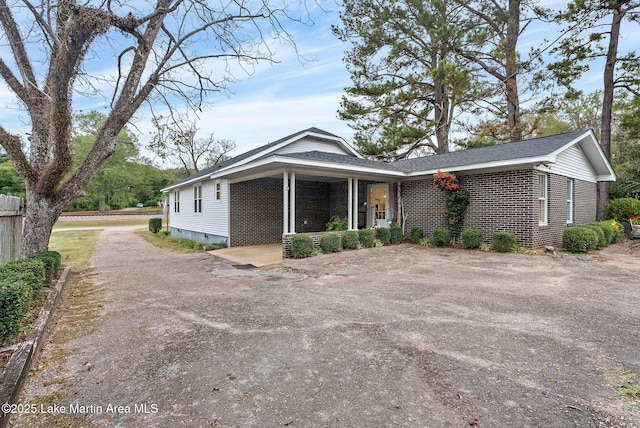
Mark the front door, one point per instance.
(378, 203)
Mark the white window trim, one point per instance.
(176, 202)
(543, 200)
(570, 200)
(218, 190)
(197, 199)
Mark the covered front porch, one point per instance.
(265, 209)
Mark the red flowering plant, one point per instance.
(634, 219)
(457, 200)
(337, 223)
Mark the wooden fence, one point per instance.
(10, 228)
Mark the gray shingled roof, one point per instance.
(534, 147)
(245, 155)
(343, 159)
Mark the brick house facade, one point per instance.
(296, 184)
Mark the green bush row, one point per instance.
(302, 243)
(20, 284)
(588, 237)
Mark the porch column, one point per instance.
(285, 202)
(355, 203)
(292, 203)
(350, 203)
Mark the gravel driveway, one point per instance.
(394, 336)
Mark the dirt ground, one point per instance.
(393, 336)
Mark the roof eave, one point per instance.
(306, 163)
(487, 165)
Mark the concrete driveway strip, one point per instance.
(383, 337)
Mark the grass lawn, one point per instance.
(142, 222)
(75, 247)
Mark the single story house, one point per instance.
(534, 188)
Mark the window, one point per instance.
(197, 199)
(570, 186)
(176, 201)
(542, 199)
(218, 191)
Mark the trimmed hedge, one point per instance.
(504, 242)
(155, 224)
(301, 245)
(416, 234)
(579, 239)
(609, 232)
(441, 237)
(366, 237)
(331, 242)
(618, 230)
(350, 239)
(396, 234)
(384, 235)
(602, 240)
(52, 263)
(471, 238)
(20, 284)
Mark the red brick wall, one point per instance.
(503, 201)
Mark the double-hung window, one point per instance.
(543, 200)
(197, 199)
(176, 201)
(570, 185)
(218, 191)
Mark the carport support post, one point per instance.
(292, 203)
(350, 202)
(355, 203)
(285, 202)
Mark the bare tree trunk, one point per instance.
(40, 217)
(511, 70)
(607, 106)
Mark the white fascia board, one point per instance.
(487, 165)
(592, 149)
(186, 183)
(284, 143)
(336, 139)
(305, 163)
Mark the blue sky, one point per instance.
(279, 99)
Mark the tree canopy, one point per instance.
(160, 51)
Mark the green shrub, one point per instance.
(337, 223)
(503, 242)
(52, 262)
(579, 239)
(416, 234)
(331, 242)
(618, 230)
(20, 283)
(471, 238)
(31, 271)
(396, 234)
(622, 209)
(350, 239)
(609, 231)
(441, 237)
(301, 245)
(602, 241)
(366, 237)
(16, 299)
(155, 224)
(384, 235)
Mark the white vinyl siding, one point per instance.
(214, 218)
(308, 145)
(574, 163)
(543, 199)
